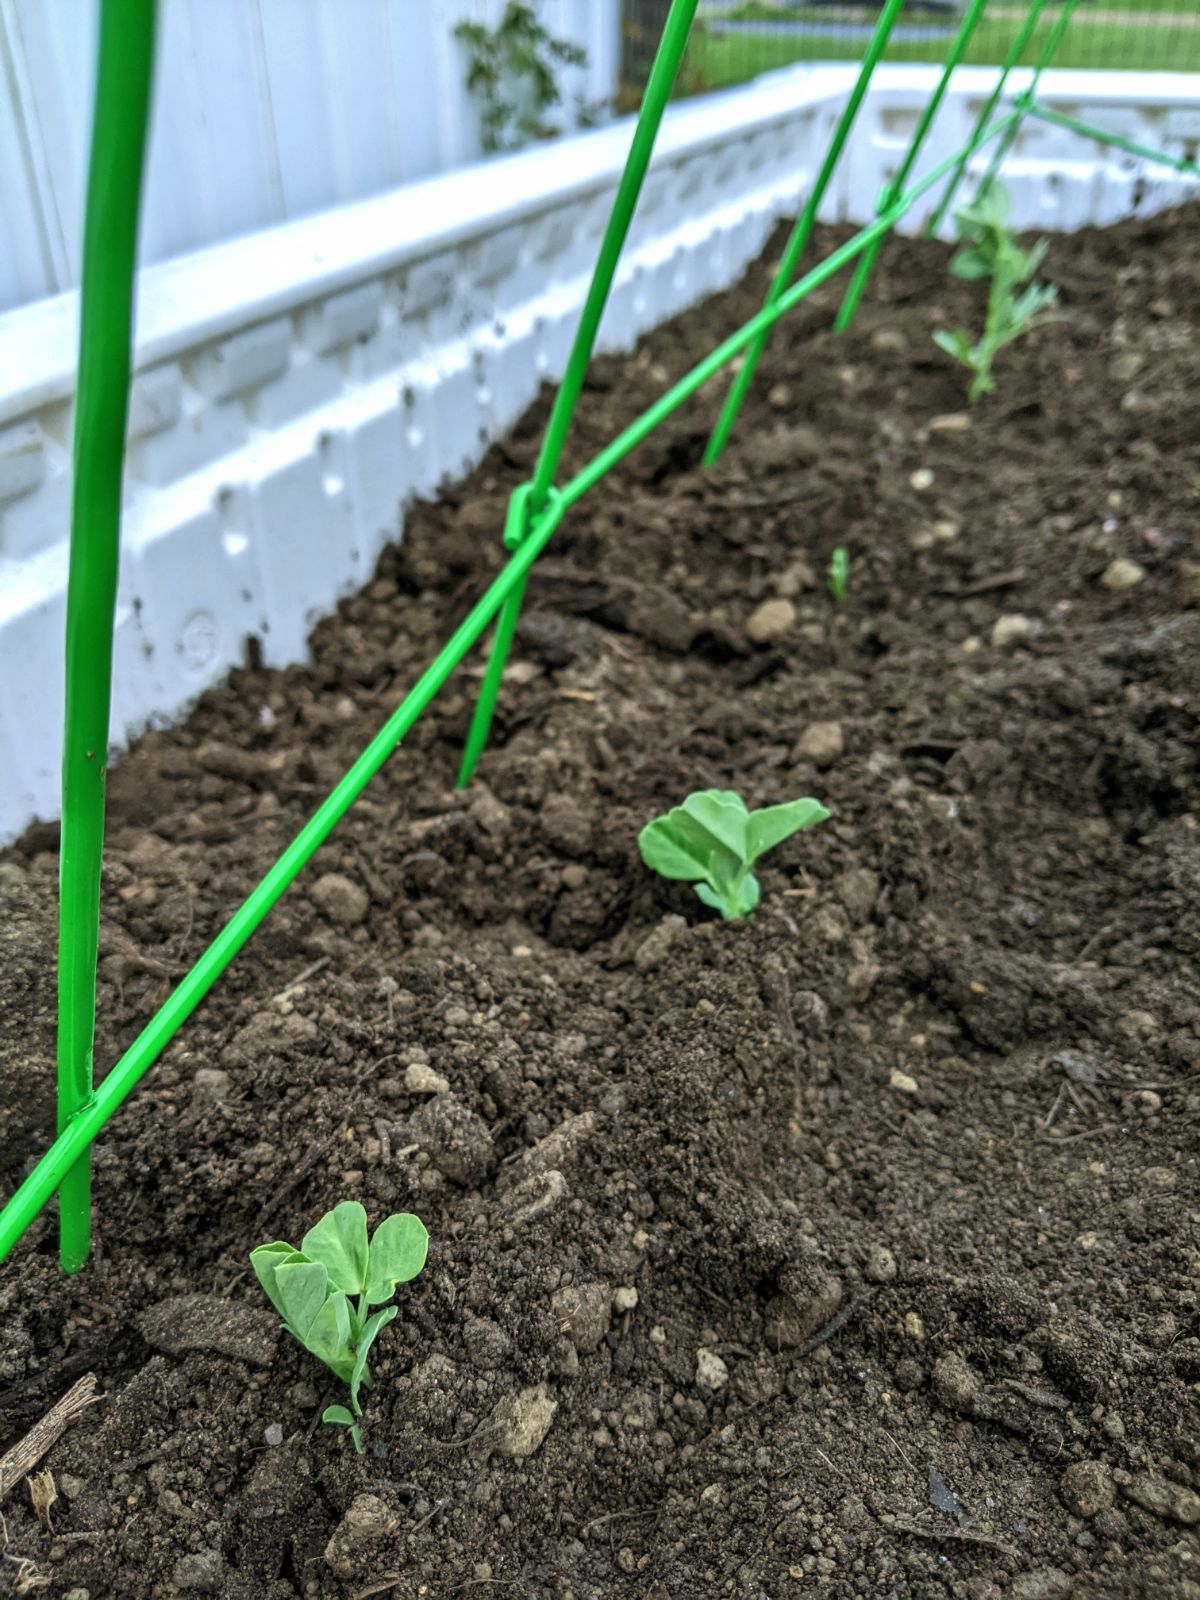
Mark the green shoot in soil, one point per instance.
(1015, 303)
(712, 840)
(839, 572)
(312, 1290)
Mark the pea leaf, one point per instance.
(302, 1287)
(773, 824)
(328, 1336)
(722, 814)
(359, 1373)
(265, 1260)
(339, 1242)
(399, 1246)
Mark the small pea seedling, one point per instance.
(839, 572)
(311, 1288)
(712, 841)
(990, 251)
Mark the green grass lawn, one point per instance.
(716, 61)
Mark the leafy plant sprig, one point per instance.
(839, 572)
(1016, 304)
(512, 72)
(324, 1291)
(712, 841)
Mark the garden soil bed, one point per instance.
(850, 1251)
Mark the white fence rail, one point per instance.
(264, 110)
(297, 388)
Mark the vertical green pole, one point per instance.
(1015, 51)
(125, 58)
(794, 248)
(866, 262)
(1053, 40)
(654, 102)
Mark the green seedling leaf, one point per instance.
(359, 1373)
(311, 1290)
(839, 572)
(399, 1246)
(339, 1241)
(970, 264)
(341, 1416)
(265, 1260)
(711, 840)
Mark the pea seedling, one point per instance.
(311, 1288)
(990, 251)
(712, 841)
(839, 572)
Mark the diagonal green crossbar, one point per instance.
(1015, 51)
(654, 102)
(794, 249)
(1086, 131)
(866, 262)
(124, 65)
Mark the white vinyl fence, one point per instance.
(264, 110)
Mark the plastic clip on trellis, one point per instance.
(122, 97)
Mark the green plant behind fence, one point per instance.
(535, 512)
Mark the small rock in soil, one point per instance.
(821, 743)
(771, 621)
(1046, 1583)
(954, 1383)
(206, 1322)
(1011, 629)
(340, 898)
(903, 1082)
(794, 579)
(582, 1313)
(625, 1298)
(368, 1520)
(881, 1265)
(520, 1422)
(201, 1573)
(488, 1346)
(658, 941)
(711, 1371)
(1087, 1488)
(1122, 574)
(1161, 1497)
(211, 1085)
(420, 1078)
(456, 1140)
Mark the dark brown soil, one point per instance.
(902, 1175)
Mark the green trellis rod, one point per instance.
(123, 81)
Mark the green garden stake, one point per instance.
(794, 248)
(1024, 101)
(124, 65)
(654, 102)
(1116, 140)
(867, 260)
(1015, 51)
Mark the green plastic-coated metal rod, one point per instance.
(794, 248)
(1102, 136)
(1025, 100)
(1015, 51)
(123, 73)
(75, 1138)
(654, 102)
(866, 262)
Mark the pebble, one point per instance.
(211, 1085)
(1087, 1487)
(922, 479)
(903, 1082)
(340, 898)
(419, 1078)
(954, 1383)
(1011, 629)
(207, 1322)
(368, 1520)
(822, 743)
(771, 621)
(582, 1313)
(949, 422)
(625, 1298)
(273, 1434)
(1122, 574)
(711, 1371)
(794, 579)
(520, 1422)
(654, 947)
(202, 1573)
(881, 1265)
(1161, 1497)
